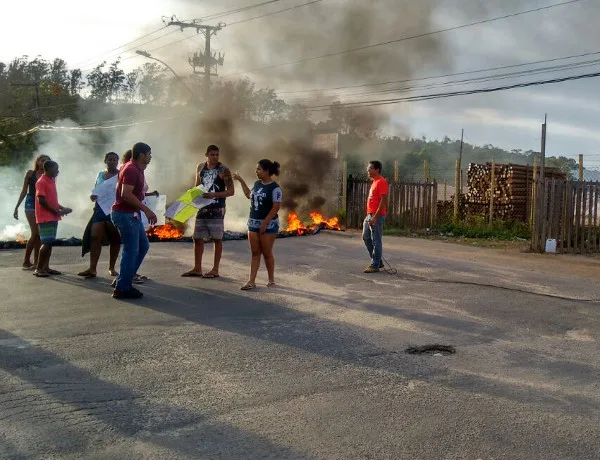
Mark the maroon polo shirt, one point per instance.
(130, 174)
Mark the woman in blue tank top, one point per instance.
(263, 223)
(28, 193)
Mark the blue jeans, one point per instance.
(135, 246)
(372, 236)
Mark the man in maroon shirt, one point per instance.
(126, 217)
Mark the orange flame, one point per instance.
(318, 220)
(165, 232)
(295, 224)
(330, 224)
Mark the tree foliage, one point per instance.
(62, 90)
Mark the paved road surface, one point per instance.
(313, 369)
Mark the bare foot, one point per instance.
(28, 266)
(112, 272)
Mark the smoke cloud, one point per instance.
(179, 136)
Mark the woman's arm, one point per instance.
(23, 193)
(245, 188)
(272, 213)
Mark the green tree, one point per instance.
(99, 84)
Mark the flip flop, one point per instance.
(192, 275)
(271, 284)
(86, 274)
(248, 286)
(31, 267)
(54, 272)
(211, 275)
(41, 275)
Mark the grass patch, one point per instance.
(478, 228)
(473, 232)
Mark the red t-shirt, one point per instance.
(46, 187)
(379, 187)
(129, 174)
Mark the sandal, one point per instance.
(41, 274)
(271, 284)
(113, 273)
(211, 275)
(248, 286)
(54, 272)
(86, 274)
(28, 267)
(192, 274)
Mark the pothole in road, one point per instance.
(434, 350)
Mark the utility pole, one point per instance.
(204, 60)
(36, 84)
(462, 135)
(543, 153)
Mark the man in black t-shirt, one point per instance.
(217, 183)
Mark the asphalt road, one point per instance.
(312, 369)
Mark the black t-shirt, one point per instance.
(262, 197)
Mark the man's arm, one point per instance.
(224, 174)
(131, 199)
(197, 183)
(44, 203)
(382, 203)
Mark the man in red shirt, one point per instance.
(47, 214)
(125, 215)
(376, 212)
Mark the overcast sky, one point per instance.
(509, 119)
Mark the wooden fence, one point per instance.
(567, 211)
(410, 205)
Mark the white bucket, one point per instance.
(551, 245)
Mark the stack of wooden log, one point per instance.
(512, 190)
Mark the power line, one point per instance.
(237, 22)
(427, 97)
(238, 10)
(482, 79)
(456, 74)
(204, 18)
(122, 46)
(116, 55)
(412, 37)
(274, 12)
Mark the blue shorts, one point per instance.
(48, 232)
(29, 203)
(272, 227)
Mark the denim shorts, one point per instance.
(29, 203)
(272, 227)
